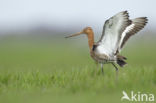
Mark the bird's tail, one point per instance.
(121, 60)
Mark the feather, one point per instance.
(136, 25)
(111, 34)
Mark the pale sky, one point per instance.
(24, 13)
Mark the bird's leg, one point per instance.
(102, 68)
(116, 69)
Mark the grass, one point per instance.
(42, 70)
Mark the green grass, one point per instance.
(42, 70)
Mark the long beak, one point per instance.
(76, 34)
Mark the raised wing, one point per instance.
(112, 30)
(136, 25)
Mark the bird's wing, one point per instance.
(136, 25)
(112, 30)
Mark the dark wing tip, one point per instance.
(146, 19)
(143, 18)
(125, 11)
(140, 23)
(125, 18)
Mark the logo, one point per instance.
(137, 96)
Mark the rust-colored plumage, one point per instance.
(90, 34)
(116, 31)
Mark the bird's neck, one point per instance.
(90, 36)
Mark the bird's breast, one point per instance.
(99, 54)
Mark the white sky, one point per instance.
(14, 13)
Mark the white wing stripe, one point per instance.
(130, 27)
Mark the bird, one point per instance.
(116, 32)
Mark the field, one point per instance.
(46, 69)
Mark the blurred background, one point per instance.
(60, 17)
(36, 61)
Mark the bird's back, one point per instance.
(116, 31)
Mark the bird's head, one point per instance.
(86, 31)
